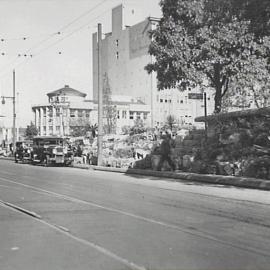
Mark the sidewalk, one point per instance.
(180, 176)
(244, 182)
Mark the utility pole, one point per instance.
(100, 99)
(14, 114)
(205, 114)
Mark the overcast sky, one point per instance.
(55, 36)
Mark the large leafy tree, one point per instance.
(207, 43)
(31, 131)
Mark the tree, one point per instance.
(253, 85)
(80, 127)
(171, 121)
(31, 131)
(109, 110)
(206, 43)
(138, 128)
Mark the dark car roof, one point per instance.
(48, 137)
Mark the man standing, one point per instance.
(165, 149)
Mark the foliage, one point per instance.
(109, 110)
(82, 128)
(31, 131)
(126, 129)
(209, 43)
(138, 128)
(171, 121)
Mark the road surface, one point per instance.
(67, 218)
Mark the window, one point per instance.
(50, 130)
(117, 55)
(131, 115)
(144, 115)
(87, 114)
(80, 113)
(181, 101)
(117, 42)
(50, 112)
(124, 114)
(63, 99)
(166, 100)
(57, 111)
(161, 100)
(72, 113)
(118, 115)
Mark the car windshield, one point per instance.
(49, 142)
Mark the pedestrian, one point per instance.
(165, 150)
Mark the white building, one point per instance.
(67, 108)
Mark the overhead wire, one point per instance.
(10, 64)
(71, 33)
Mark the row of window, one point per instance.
(161, 100)
(72, 113)
(131, 115)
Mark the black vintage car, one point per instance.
(23, 151)
(51, 150)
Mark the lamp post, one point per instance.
(61, 106)
(14, 112)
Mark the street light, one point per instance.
(14, 112)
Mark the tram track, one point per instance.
(181, 228)
(67, 233)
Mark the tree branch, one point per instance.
(226, 86)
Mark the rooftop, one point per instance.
(66, 91)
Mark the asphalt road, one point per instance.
(67, 218)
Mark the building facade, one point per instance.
(124, 55)
(68, 109)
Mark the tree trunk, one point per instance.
(218, 87)
(217, 101)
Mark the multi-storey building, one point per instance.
(67, 108)
(124, 55)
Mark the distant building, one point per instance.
(67, 109)
(124, 54)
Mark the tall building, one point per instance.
(124, 55)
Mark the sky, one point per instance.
(49, 44)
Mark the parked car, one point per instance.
(23, 151)
(49, 150)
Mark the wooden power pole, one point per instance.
(100, 98)
(14, 115)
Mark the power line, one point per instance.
(71, 33)
(54, 34)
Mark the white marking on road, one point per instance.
(83, 241)
(198, 233)
(31, 213)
